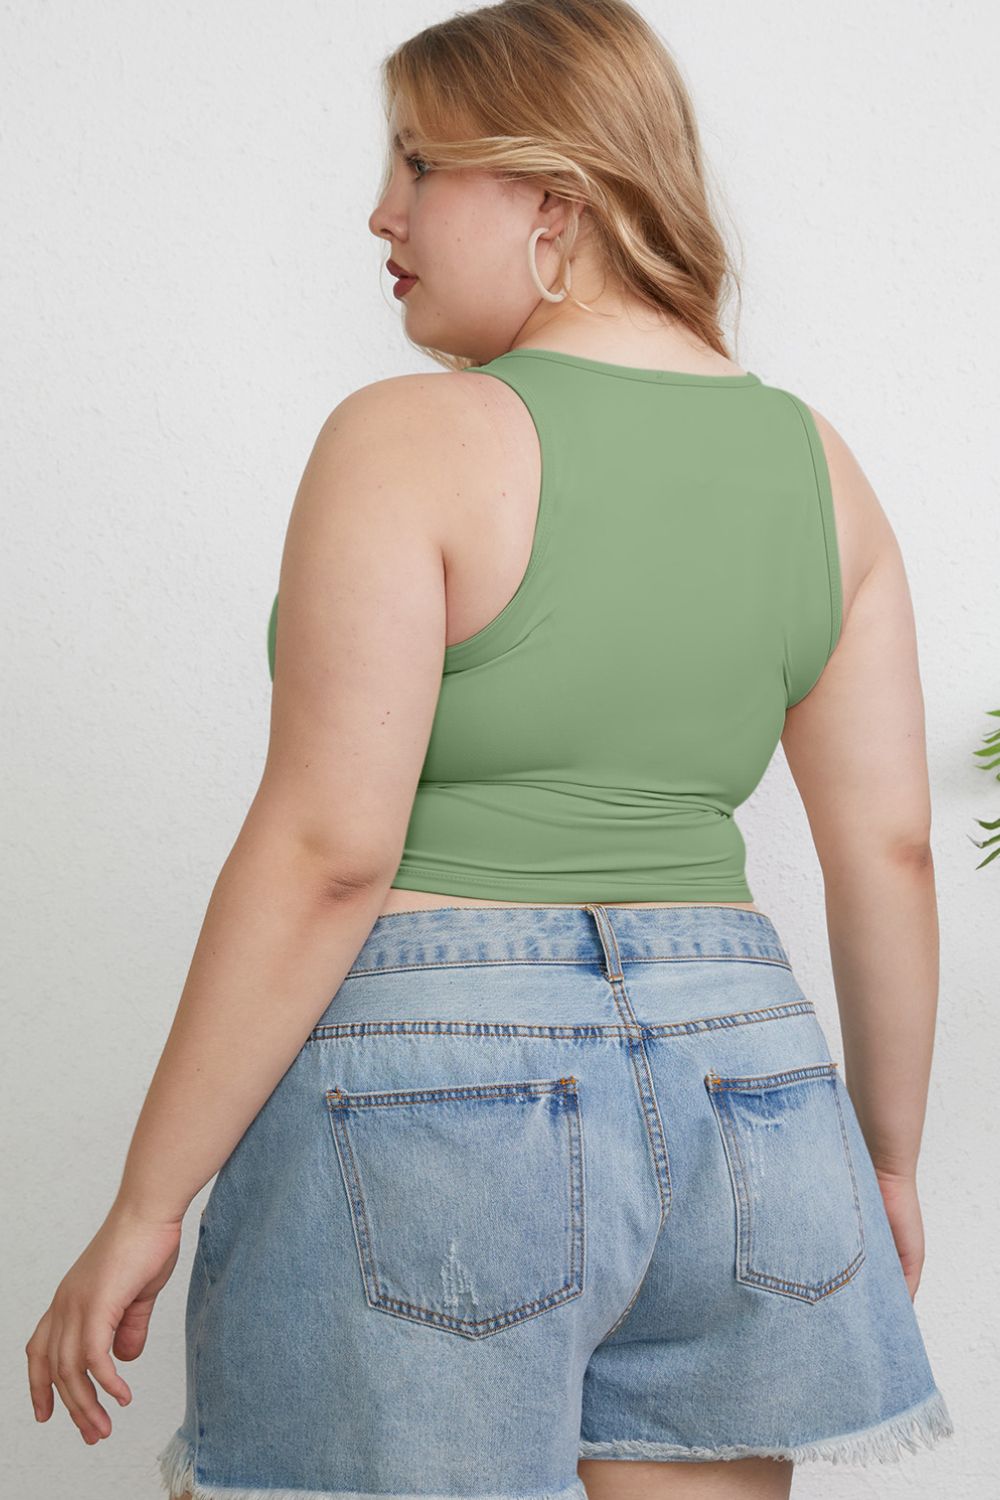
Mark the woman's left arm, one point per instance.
(357, 675)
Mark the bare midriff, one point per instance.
(399, 900)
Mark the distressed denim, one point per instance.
(545, 1184)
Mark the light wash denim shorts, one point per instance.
(545, 1184)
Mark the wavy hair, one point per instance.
(583, 97)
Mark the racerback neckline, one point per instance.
(626, 372)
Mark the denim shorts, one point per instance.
(545, 1184)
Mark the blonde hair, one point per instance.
(583, 97)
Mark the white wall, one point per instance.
(189, 286)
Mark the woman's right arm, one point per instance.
(856, 749)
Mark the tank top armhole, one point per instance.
(506, 628)
(824, 493)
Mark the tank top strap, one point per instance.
(554, 417)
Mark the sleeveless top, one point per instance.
(592, 742)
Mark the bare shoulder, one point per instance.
(864, 532)
(422, 407)
(453, 404)
(436, 429)
(405, 410)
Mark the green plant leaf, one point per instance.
(989, 756)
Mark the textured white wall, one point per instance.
(189, 286)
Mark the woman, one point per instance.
(564, 1177)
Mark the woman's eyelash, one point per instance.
(411, 162)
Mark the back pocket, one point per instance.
(466, 1201)
(798, 1217)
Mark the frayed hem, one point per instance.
(925, 1424)
(176, 1465)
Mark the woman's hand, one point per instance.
(106, 1295)
(899, 1194)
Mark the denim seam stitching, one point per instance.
(491, 963)
(636, 1046)
(337, 1098)
(196, 1437)
(345, 1030)
(639, 1058)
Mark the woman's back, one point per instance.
(646, 569)
(682, 589)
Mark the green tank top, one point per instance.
(592, 742)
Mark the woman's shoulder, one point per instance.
(864, 531)
(434, 394)
(437, 399)
(422, 418)
(453, 424)
(436, 436)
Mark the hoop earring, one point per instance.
(533, 268)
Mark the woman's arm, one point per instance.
(360, 650)
(357, 674)
(855, 746)
(883, 927)
(277, 939)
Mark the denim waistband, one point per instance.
(610, 935)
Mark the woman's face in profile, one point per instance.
(463, 235)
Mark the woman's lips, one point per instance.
(404, 280)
